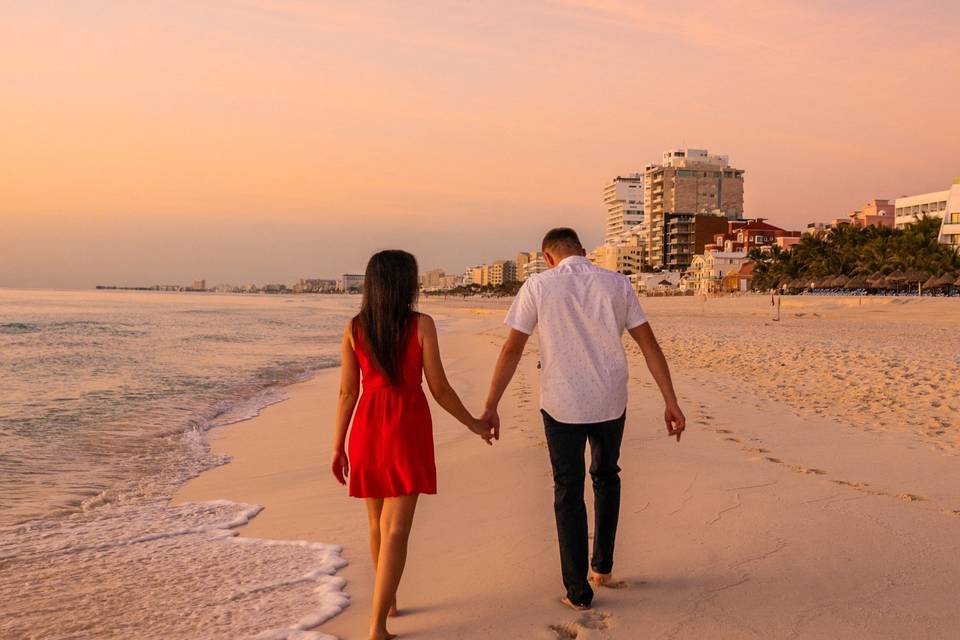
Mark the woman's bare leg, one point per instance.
(396, 520)
(374, 509)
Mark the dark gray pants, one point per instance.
(567, 443)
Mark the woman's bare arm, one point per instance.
(346, 403)
(437, 381)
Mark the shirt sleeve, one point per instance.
(635, 314)
(522, 315)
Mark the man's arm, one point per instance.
(657, 364)
(506, 366)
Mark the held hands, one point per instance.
(340, 465)
(675, 420)
(492, 418)
(487, 426)
(482, 429)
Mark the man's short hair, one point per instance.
(562, 238)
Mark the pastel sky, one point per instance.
(151, 141)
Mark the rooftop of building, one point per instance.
(727, 254)
(755, 223)
(923, 197)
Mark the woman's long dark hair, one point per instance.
(390, 291)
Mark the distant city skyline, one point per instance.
(270, 140)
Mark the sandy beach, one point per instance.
(814, 495)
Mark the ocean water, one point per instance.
(106, 400)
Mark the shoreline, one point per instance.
(790, 526)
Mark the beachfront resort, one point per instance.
(678, 227)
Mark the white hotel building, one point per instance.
(938, 204)
(624, 199)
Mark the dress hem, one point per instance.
(396, 495)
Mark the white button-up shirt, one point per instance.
(582, 311)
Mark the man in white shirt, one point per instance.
(582, 311)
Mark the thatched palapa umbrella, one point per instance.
(895, 279)
(946, 280)
(839, 282)
(857, 282)
(874, 279)
(883, 283)
(949, 281)
(914, 277)
(932, 283)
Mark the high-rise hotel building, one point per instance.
(529, 263)
(624, 199)
(685, 197)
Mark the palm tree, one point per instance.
(850, 250)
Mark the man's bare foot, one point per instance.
(382, 634)
(600, 579)
(606, 580)
(576, 607)
(393, 612)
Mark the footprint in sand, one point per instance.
(910, 497)
(594, 620)
(757, 450)
(564, 631)
(774, 460)
(847, 483)
(732, 439)
(591, 620)
(807, 470)
(613, 584)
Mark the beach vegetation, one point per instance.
(854, 251)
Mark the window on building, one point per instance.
(955, 218)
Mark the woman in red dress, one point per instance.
(390, 462)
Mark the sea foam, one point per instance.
(165, 571)
(192, 575)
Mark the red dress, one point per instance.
(391, 441)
